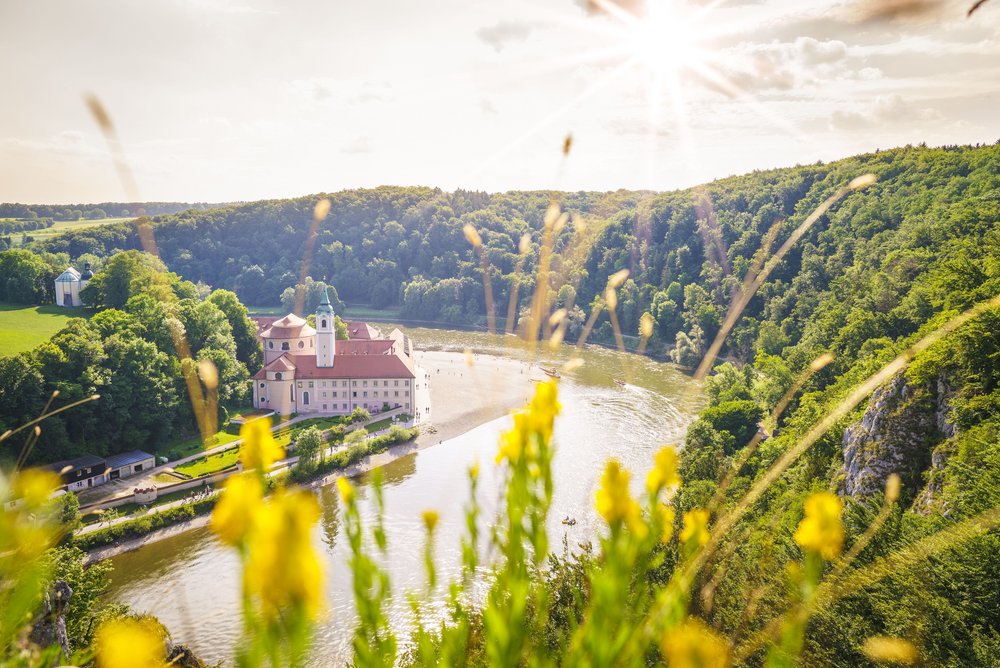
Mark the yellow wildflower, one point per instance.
(259, 450)
(234, 515)
(346, 489)
(614, 502)
(887, 649)
(665, 515)
(283, 570)
(35, 486)
(431, 518)
(544, 408)
(694, 645)
(821, 531)
(695, 531)
(130, 643)
(512, 442)
(664, 471)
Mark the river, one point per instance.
(191, 582)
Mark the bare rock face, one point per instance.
(895, 435)
(51, 628)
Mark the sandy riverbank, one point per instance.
(462, 398)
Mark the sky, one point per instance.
(226, 100)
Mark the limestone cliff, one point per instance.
(904, 430)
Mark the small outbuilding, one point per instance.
(70, 283)
(129, 463)
(82, 472)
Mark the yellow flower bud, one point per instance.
(695, 531)
(693, 644)
(346, 490)
(664, 471)
(234, 514)
(130, 643)
(430, 518)
(821, 531)
(259, 450)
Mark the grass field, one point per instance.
(61, 226)
(24, 327)
(361, 312)
(190, 446)
(212, 464)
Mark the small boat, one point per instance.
(619, 382)
(569, 521)
(549, 371)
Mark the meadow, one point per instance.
(63, 226)
(24, 327)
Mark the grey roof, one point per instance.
(71, 275)
(86, 461)
(127, 458)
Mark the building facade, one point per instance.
(308, 370)
(70, 283)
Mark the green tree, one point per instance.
(308, 445)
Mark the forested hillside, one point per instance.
(128, 354)
(886, 265)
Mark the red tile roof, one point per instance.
(365, 347)
(360, 330)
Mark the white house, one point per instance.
(70, 283)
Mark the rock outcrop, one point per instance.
(897, 434)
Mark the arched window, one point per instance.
(284, 345)
(302, 344)
(277, 376)
(305, 398)
(270, 344)
(262, 386)
(323, 323)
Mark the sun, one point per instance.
(665, 39)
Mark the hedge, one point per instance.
(143, 525)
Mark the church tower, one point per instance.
(326, 337)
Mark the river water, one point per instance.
(191, 582)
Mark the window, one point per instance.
(407, 393)
(334, 394)
(284, 345)
(270, 344)
(354, 383)
(365, 394)
(344, 407)
(299, 385)
(302, 344)
(262, 386)
(305, 398)
(396, 383)
(324, 406)
(323, 323)
(364, 383)
(396, 393)
(277, 376)
(310, 383)
(385, 383)
(354, 394)
(324, 395)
